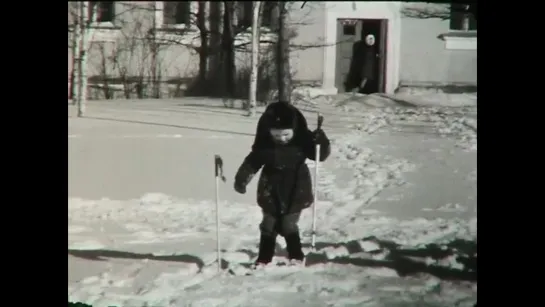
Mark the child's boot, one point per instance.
(267, 245)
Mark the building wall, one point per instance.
(125, 46)
(425, 58)
(177, 61)
(307, 54)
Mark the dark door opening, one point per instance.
(361, 55)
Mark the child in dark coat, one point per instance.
(282, 144)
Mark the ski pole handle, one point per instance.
(320, 121)
(218, 167)
(319, 125)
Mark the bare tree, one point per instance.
(217, 31)
(268, 66)
(218, 45)
(104, 70)
(228, 48)
(203, 49)
(154, 49)
(127, 61)
(85, 19)
(215, 37)
(256, 24)
(283, 55)
(74, 36)
(84, 15)
(205, 20)
(136, 57)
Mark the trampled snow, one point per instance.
(396, 222)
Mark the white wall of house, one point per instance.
(415, 53)
(308, 22)
(427, 59)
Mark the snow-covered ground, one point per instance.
(396, 216)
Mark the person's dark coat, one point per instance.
(285, 184)
(362, 65)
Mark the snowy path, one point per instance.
(396, 217)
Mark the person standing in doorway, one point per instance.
(361, 76)
(369, 64)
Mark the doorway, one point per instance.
(353, 53)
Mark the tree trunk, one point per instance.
(252, 100)
(154, 49)
(72, 80)
(76, 44)
(203, 50)
(229, 49)
(82, 63)
(283, 55)
(104, 72)
(215, 73)
(473, 9)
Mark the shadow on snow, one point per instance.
(196, 108)
(407, 261)
(102, 254)
(403, 260)
(168, 125)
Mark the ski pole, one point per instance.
(218, 171)
(316, 165)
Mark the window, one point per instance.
(349, 29)
(177, 13)
(105, 10)
(461, 19)
(269, 18)
(463, 28)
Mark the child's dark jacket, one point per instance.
(285, 184)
